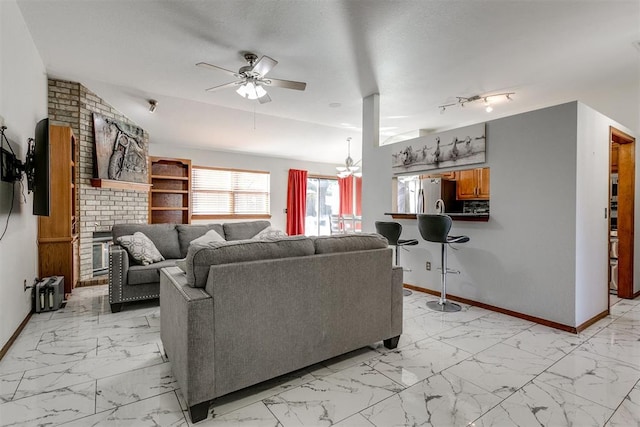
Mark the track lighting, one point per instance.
(152, 105)
(461, 101)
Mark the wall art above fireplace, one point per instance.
(120, 151)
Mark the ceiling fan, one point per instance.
(251, 78)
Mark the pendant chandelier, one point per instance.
(349, 167)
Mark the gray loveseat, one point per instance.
(248, 311)
(129, 281)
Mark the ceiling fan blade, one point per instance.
(224, 86)
(264, 99)
(264, 65)
(215, 67)
(287, 84)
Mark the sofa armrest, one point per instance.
(186, 331)
(118, 268)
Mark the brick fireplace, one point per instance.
(72, 104)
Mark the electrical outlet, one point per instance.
(428, 266)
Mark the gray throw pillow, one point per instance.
(269, 233)
(141, 248)
(209, 237)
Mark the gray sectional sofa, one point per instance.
(246, 311)
(129, 281)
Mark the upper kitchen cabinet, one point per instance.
(473, 184)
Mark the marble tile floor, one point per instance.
(84, 366)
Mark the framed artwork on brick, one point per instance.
(120, 152)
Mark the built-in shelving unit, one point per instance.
(170, 194)
(58, 232)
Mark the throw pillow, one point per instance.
(210, 236)
(141, 248)
(269, 233)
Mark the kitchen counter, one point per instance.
(477, 217)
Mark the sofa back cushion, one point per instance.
(163, 236)
(189, 232)
(348, 243)
(243, 230)
(201, 257)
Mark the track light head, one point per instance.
(153, 104)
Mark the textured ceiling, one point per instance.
(416, 54)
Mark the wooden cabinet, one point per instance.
(473, 184)
(170, 194)
(615, 147)
(58, 232)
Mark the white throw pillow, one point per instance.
(210, 236)
(141, 248)
(269, 233)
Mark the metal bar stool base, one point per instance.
(445, 306)
(406, 292)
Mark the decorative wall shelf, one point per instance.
(119, 185)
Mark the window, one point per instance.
(323, 201)
(229, 193)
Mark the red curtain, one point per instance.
(345, 186)
(359, 196)
(296, 201)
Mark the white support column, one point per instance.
(373, 178)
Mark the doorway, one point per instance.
(323, 200)
(621, 219)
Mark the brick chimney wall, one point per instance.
(71, 104)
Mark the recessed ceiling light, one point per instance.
(335, 105)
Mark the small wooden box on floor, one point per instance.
(58, 232)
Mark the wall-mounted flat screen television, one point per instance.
(40, 184)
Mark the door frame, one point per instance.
(626, 209)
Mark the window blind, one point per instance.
(229, 192)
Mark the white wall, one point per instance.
(278, 167)
(592, 228)
(23, 101)
(523, 259)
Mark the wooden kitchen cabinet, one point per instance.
(614, 157)
(473, 184)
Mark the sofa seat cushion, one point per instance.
(189, 232)
(200, 258)
(141, 274)
(164, 236)
(348, 243)
(243, 230)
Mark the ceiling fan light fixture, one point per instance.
(349, 167)
(251, 91)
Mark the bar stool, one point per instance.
(392, 231)
(435, 228)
